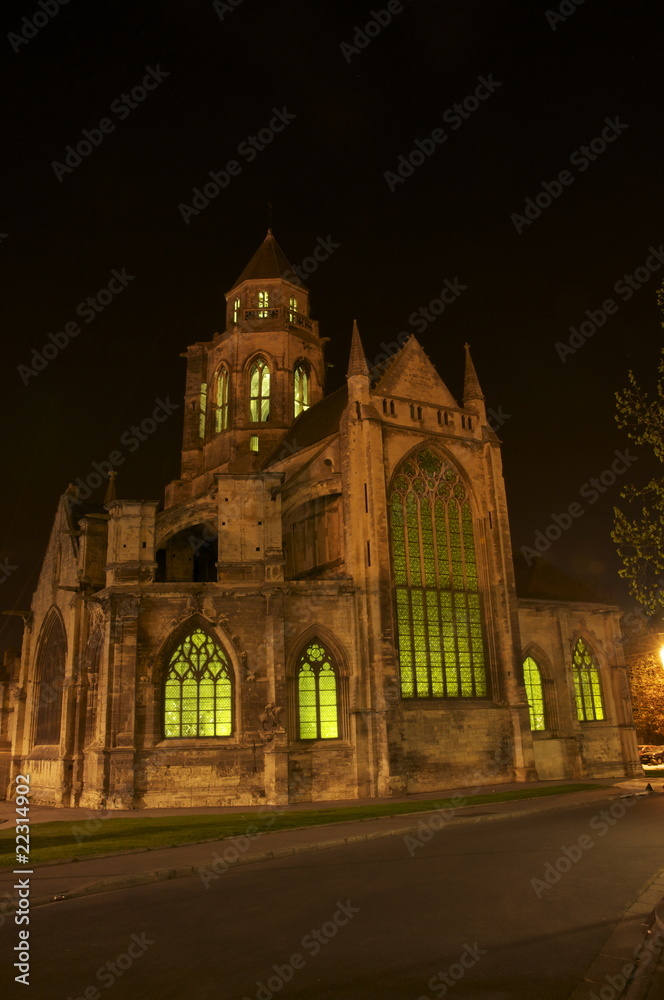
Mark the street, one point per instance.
(485, 911)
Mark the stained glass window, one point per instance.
(587, 686)
(221, 414)
(438, 604)
(301, 389)
(318, 708)
(263, 302)
(259, 391)
(51, 676)
(198, 690)
(202, 409)
(533, 681)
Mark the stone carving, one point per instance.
(269, 718)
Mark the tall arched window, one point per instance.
(439, 616)
(533, 681)
(292, 308)
(198, 691)
(263, 302)
(202, 410)
(221, 413)
(259, 391)
(51, 676)
(236, 310)
(587, 686)
(317, 691)
(301, 389)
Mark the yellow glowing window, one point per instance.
(263, 302)
(318, 708)
(533, 681)
(202, 409)
(221, 415)
(438, 604)
(587, 685)
(259, 391)
(198, 689)
(236, 310)
(253, 442)
(301, 390)
(292, 307)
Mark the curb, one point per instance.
(166, 874)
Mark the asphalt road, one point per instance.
(373, 920)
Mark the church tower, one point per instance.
(248, 384)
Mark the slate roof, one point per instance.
(313, 425)
(269, 261)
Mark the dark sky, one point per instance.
(223, 70)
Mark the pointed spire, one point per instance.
(471, 384)
(269, 261)
(357, 364)
(110, 489)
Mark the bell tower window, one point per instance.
(263, 302)
(202, 410)
(300, 389)
(221, 415)
(236, 311)
(259, 391)
(292, 308)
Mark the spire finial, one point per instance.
(269, 218)
(471, 384)
(357, 363)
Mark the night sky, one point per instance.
(355, 106)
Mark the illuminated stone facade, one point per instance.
(323, 608)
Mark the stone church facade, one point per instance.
(323, 607)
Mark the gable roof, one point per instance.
(316, 423)
(412, 376)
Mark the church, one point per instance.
(323, 607)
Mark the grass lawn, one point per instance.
(83, 838)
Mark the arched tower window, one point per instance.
(198, 691)
(535, 692)
(317, 694)
(587, 685)
(300, 389)
(439, 615)
(51, 677)
(236, 311)
(202, 410)
(221, 413)
(263, 303)
(292, 308)
(259, 391)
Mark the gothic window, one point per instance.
(439, 612)
(236, 310)
(221, 414)
(301, 389)
(263, 302)
(292, 305)
(533, 681)
(51, 676)
(198, 690)
(202, 410)
(587, 686)
(317, 691)
(259, 391)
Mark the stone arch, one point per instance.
(50, 667)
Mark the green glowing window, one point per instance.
(533, 682)
(236, 310)
(202, 409)
(301, 389)
(438, 604)
(221, 414)
(318, 709)
(253, 442)
(263, 302)
(259, 391)
(198, 692)
(292, 306)
(587, 687)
